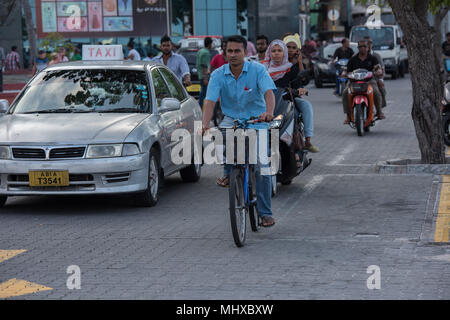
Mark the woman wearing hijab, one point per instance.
(283, 73)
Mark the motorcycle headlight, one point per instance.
(4, 152)
(276, 122)
(104, 151)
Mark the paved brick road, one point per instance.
(332, 223)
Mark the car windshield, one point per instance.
(85, 90)
(383, 38)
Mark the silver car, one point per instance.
(96, 128)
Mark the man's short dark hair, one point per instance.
(41, 51)
(238, 39)
(262, 37)
(14, 48)
(448, 34)
(344, 40)
(166, 38)
(208, 41)
(131, 45)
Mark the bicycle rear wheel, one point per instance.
(238, 208)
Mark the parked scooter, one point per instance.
(293, 156)
(341, 78)
(361, 101)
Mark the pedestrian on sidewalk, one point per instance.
(203, 61)
(62, 55)
(2, 63)
(40, 63)
(13, 60)
(77, 55)
(174, 61)
(54, 59)
(132, 53)
(219, 59)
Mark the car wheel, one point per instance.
(149, 197)
(191, 173)
(3, 200)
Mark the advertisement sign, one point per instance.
(102, 18)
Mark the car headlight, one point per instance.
(130, 149)
(104, 151)
(389, 61)
(4, 152)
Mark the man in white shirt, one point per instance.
(132, 53)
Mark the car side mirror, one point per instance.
(4, 105)
(169, 104)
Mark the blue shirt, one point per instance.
(241, 98)
(177, 63)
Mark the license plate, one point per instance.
(48, 178)
(194, 88)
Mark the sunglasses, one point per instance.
(362, 46)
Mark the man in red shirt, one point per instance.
(219, 59)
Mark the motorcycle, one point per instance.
(361, 101)
(293, 156)
(341, 79)
(445, 108)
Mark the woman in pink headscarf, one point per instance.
(284, 74)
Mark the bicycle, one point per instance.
(242, 194)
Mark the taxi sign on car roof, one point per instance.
(97, 52)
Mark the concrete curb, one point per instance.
(411, 166)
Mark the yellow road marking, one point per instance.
(8, 254)
(442, 231)
(15, 287)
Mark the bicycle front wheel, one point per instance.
(252, 210)
(238, 208)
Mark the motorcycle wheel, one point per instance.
(447, 132)
(359, 120)
(367, 129)
(342, 88)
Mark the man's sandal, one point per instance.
(223, 182)
(267, 222)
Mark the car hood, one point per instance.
(68, 128)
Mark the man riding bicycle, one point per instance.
(246, 91)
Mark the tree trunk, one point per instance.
(30, 30)
(425, 68)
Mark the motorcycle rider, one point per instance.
(283, 73)
(363, 60)
(294, 46)
(344, 52)
(379, 72)
(262, 42)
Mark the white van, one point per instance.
(387, 42)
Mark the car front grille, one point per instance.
(28, 153)
(64, 153)
(55, 153)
